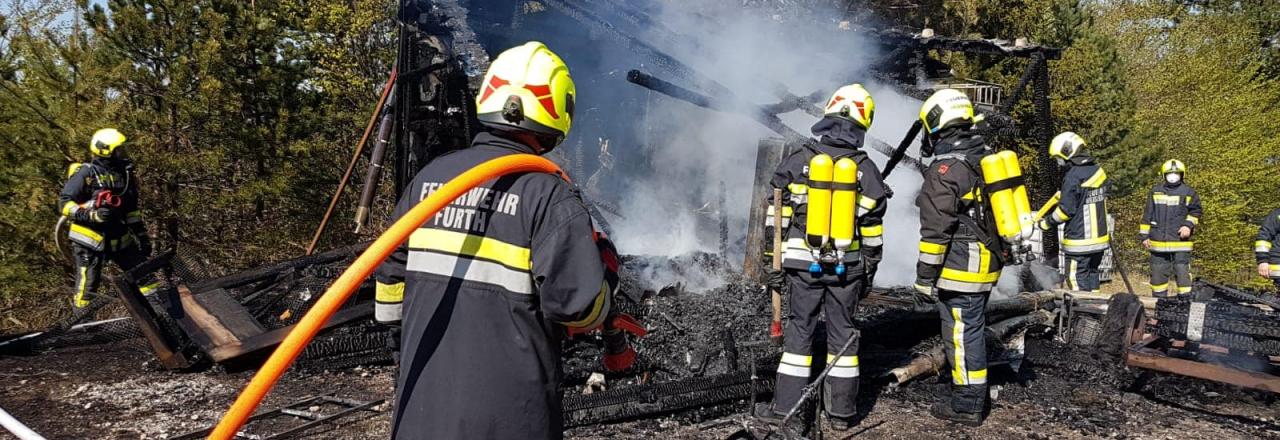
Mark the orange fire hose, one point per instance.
(342, 288)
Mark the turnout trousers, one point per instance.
(1082, 272)
(964, 324)
(836, 297)
(1166, 265)
(125, 252)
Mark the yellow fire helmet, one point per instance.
(1065, 146)
(852, 102)
(1173, 166)
(947, 108)
(528, 88)
(105, 142)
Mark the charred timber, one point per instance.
(759, 114)
(934, 359)
(892, 38)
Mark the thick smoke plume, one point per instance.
(673, 158)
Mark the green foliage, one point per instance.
(239, 114)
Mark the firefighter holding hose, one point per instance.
(486, 289)
(960, 253)
(100, 198)
(833, 243)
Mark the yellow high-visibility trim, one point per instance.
(1072, 282)
(969, 277)
(69, 207)
(786, 211)
(1161, 199)
(1172, 246)
(1193, 219)
(468, 245)
(1059, 215)
(958, 374)
(932, 248)
(1087, 241)
(71, 169)
(389, 293)
(970, 195)
(1159, 287)
(984, 259)
(866, 202)
(798, 360)
(871, 231)
(84, 230)
(82, 287)
(1144, 228)
(147, 289)
(596, 317)
(1262, 246)
(1097, 180)
(843, 361)
(798, 188)
(978, 376)
(1184, 289)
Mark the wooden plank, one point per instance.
(273, 337)
(197, 320)
(1143, 356)
(148, 322)
(768, 154)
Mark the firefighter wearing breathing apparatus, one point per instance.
(1082, 208)
(100, 198)
(1266, 248)
(834, 204)
(974, 217)
(485, 291)
(1171, 217)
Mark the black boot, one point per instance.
(765, 413)
(943, 410)
(842, 423)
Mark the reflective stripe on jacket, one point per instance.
(792, 176)
(1083, 208)
(1266, 248)
(1169, 208)
(481, 290)
(951, 202)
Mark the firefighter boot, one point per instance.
(944, 411)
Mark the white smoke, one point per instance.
(691, 151)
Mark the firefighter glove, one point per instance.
(925, 294)
(144, 244)
(776, 280)
(1044, 225)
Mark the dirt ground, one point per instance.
(108, 391)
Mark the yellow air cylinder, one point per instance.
(1014, 170)
(818, 218)
(1001, 196)
(844, 199)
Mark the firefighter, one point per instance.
(1171, 217)
(1267, 248)
(101, 200)
(960, 251)
(818, 284)
(484, 291)
(1083, 209)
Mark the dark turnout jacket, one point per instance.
(1083, 208)
(1169, 208)
(84, 182)
(483, 290)
(959, 250)
(1267, 246)
(838, 139)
